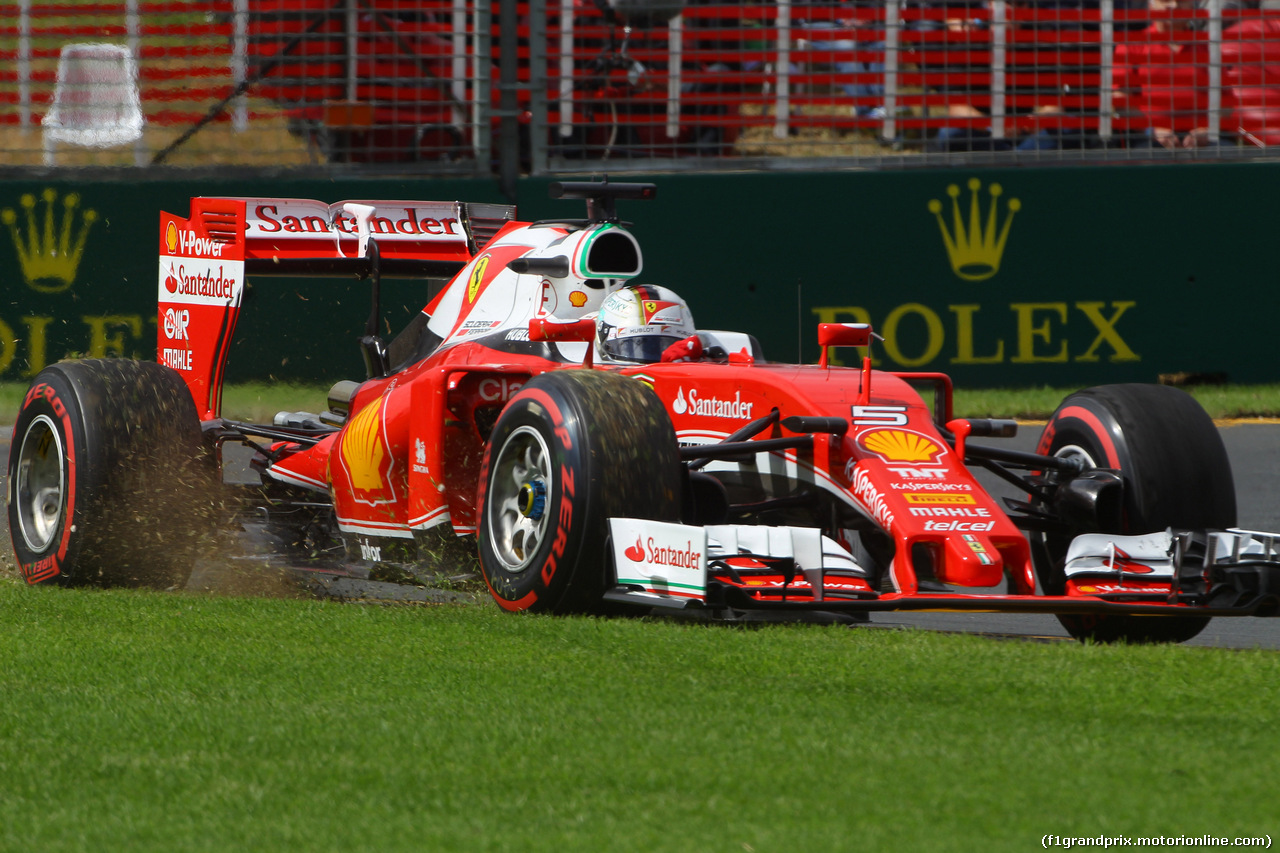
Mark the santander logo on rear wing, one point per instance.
(204, 260)
(284, 228)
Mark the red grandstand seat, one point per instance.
(1251, 53)
(1256, 116)
(1251, 78)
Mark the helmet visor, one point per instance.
(645, 349)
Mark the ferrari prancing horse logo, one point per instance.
(477, 277)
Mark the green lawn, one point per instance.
(1220, 401)
(259, 402)
(161, 721)
(148, 721)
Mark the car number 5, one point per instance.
(879, 415)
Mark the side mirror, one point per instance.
(551, 329)
(842, 335)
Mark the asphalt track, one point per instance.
(1254, 448)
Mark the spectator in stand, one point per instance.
(1061, 16)
(958, 18)
(1052, 91)
(867, 98)
(1161, 81)
(966, 25)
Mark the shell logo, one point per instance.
(363, 450)
(171, 238)
(900, 445)
(577, 299)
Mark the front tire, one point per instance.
(573, 449)
(106, 485)
(1176, 473)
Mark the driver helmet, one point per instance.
(638, 322)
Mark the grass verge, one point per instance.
(152, 721)
(259, 401)
(1222, 402)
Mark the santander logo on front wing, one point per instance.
(687, 557)
(663, 558)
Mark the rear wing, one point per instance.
(204, 260)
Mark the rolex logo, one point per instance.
(975, 247)
(50, 242)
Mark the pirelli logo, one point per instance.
(933, 499)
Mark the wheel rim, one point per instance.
(40, 483)
(1075, 451)
(1057, 543)
(520, 487)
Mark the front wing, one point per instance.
(753, 568)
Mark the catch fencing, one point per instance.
(473, 87)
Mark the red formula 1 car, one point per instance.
(597, 472)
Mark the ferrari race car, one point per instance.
(604, 466)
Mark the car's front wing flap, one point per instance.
(748, 567)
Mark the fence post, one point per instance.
(24, 64)
(481, 74)
(458, 61)
(239, 61)
(1215, 68)
(508, 97)
(675, 61)
(131, 28)
(999, 36)
(1107, 35)
(566, 68)
(782, 101)
(892, 39)
(353, 48)
(538, 125)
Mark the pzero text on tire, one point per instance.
(571, 450)
(106, 484)
(1176, 473)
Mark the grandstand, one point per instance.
(416, 86)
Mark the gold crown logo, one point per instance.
(49, 250)
(975, 250)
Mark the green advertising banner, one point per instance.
(1020, 277)
(1060, 276)
(80, 277)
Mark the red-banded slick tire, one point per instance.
(571, 450)
(107, 484)
(1176, 473)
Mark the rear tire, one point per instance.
(106, 480)
(573, 449)
(1176, 474)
